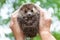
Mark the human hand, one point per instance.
(18, 34)
(44, 23)
(44, 26)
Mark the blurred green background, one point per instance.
(9, 6)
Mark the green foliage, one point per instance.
(2, 2)
(0, 20)
(44, 4)
(58, 15)
(37, 38)
(4, 21)
(33, 1)
(10, 35)
(56, 35)
(18, 3)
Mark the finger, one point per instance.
(13, 19)
(14, 16)
(14, 25)
(47, 15)
(11, 23)
(41, 18)
(40, 10)
(44, 12)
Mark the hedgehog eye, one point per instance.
(31, 10)
(25, 11)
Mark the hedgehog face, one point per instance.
(28, 10)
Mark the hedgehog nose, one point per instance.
(29, 14)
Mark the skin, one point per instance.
(44, 27)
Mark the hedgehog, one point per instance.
(28, 19)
